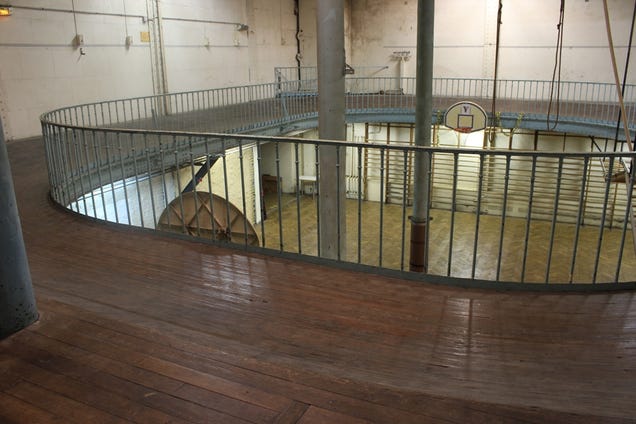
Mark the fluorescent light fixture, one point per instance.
(5, 11)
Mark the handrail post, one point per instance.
(423, 118)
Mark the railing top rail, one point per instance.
(45, 116)
(252, 138)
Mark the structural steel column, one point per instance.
(423, 118)
(331, 126)
(17, 303)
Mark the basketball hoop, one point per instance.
(465, 117)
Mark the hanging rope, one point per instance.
(616, 79)
(556, 72)
(629, 52)
(494, 85)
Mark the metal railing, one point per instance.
(130, 161)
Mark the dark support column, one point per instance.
(17, 303)
(423, 118)
(331, 126)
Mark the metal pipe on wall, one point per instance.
(17, 302)
(331, 126)
(423, 121)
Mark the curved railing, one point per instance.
(557, 219)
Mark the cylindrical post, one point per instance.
(331, 126)
(423, 118)
(17, 302)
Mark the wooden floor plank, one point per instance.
(90, 393)
(292, 414)
(423, 406)
(148, 328)
(17, 411)
(162, 359)
(142, 402)
(89, 344)
(322, 416)
(68, 409)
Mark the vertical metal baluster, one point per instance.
(138, 189)
(88, 113)
(339, 205)
(259, 161)
(145, 115)
(130, 106)
(101, 109)
(79, 172)
(51, 161)
(242, 167)
(478, 213)
(194, 187)
(53, 146)
(110, 173)
(182, 109)
(317, 172)
(77, 116)
(91, 188)
(116, 111)
(228, 228)
(71, 155)
(359, 204)
(608, 184)
(298, 188)
(208, 175)
(503, 215)
(405, 169)
(628, 219)
(200, 109)
(529, 217)
(555, 212)
(66, 166)
(123, 176)
(179, 193)
(162, 163)
(150, 187)
(453, 211)
(244, 106)
(381, 224)
(278, 194)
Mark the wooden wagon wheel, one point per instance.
(205, 214)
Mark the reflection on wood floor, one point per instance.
(395, 246)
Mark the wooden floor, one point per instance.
(138, 327)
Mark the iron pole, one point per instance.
(17, 302)
(331, 126)
(423, 121)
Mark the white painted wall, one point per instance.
(465, 35)
(41, 70)
(272, 38)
